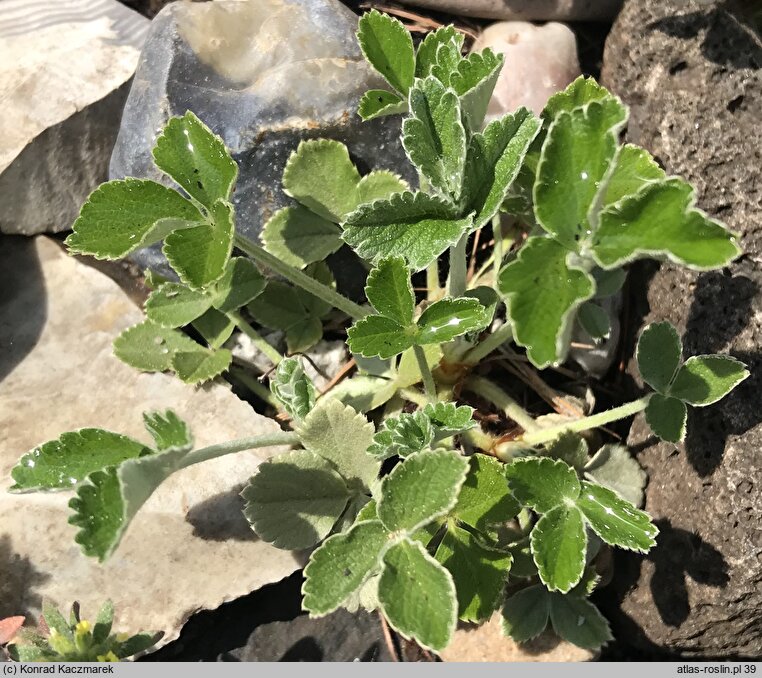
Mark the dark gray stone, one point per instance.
(263, 75)
(690, 72)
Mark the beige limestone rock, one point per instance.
(189, 547)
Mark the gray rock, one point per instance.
(264, 75)
(691, 73)
(64, 69)
(526, 10)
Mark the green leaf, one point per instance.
(376, 335)
(62, 463)
(403, 435)
(417, 595)
(614, 467)
(594, 320)
(433, 136)
(341, 565)
(426, 56)
(196, 367)
(378, 185)
(416, 226)
(299, 237)
(542, 483)
(167, 430)
(196, 158)
(140, 642)
(558, 544)
(449, 318)
(661, 220)
(215, 327)
(423, 487)
(200, 254)
(615, 520)
(388, 47)
(658, 354)
(667, 417)
(634, 168)
(608, 283)
(542, 291)
(241, 283)
(293, 389)
(120, 217)
(175, 304)
(576, 155)
(570, 448)
(526, 613)
(578, 621)
(295, 499)
(484, 500)
(479, 573)
(339, 434)
(449, 419)
(474, 81)
(55, 620)
(376, 103)
(389, 290)
(577, 95)
(103, 622)
(494, 160)
(150, 347)
(705, 379)
(363, 393)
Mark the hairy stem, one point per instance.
(546, 435)
(494, 341)
(414, 396)
(432, 281)
(300, 279)
(458, 268)
(428, 379)
(476, 437)
(255, 337)
(220, 450)
(489, 391)
(497, 235)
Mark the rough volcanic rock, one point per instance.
(690, 72)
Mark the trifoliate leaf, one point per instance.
(526, 613)
(241, 282)
(62, 463)
(403, 435)
(389, 290)
(667, 417)
(376, 335)
(558, 544)
(388, 47)
(200, 365)
(423, 487)
(449, 318)
(474, 81)
(449, 419)
(167, 430)
(433, 136)
(542, 291)
(293, 389)
(484, 500)
(294, 499)
(661, 220)
(416, 226)
(614, 467)
(200, 254)
(215, 327)
(705, 379)
(376, 103)
(615, 520)
(426, 56)
(658, 355)
(494, 160)
(408, 371)
(594, 320)
(577, 95)
(150, 347)
(120, 217)
(479, 573)
(175, 305)
(576, 155)
(196, 158)
(417, 595)
(542, 483)
(634, 167)
(578, 621)
(341, 565)
(339, 434)
(299, 237)
(570, 448)
(363, 393)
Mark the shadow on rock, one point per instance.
(221, 518)
(18, 580)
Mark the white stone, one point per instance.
(539, 61)
(63, 65)
(189, 548)
(526, 10)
